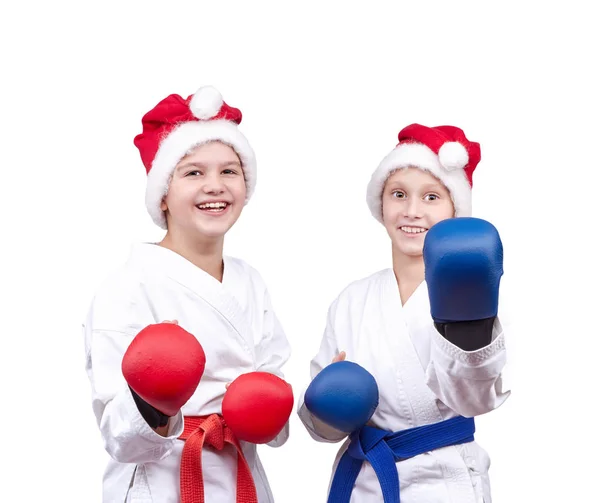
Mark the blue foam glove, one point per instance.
(343, 395)
(463, 265)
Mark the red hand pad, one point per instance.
(257, 405)
(163, 365)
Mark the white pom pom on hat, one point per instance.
(206, 103)
(453, 155)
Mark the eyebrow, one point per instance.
(432, 186)
(200, 165)
(429, 186)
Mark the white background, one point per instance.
(324, 88)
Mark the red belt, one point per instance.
(213, 431)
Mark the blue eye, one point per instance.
(431, 197)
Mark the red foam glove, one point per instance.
(163, 365)
(257, 406)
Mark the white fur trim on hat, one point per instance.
(419, 156)
(179, 143)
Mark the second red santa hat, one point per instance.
(443, 151)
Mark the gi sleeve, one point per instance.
(469, 382)
(110, 326)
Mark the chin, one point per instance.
(413, 253)
(216, 230)
(212, 232)
(410, 250)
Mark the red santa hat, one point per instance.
(443, 151)
(174, 127)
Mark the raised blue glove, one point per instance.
(343, 395)
(463, 266)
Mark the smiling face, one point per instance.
(207, 192)
(413, 201)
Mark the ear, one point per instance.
(163, 204)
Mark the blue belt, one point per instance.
(383, 449)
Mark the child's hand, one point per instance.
(174, 322)
(341, 356)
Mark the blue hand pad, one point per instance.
(463, 265)
(343, 395)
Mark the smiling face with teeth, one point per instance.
(413, 201)
(206, 194)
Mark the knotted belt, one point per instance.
(383, 449)
(210, 430)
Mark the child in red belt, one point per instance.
(201, 173)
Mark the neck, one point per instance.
(409, 272)
(204, 252)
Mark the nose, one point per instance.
(413, 208)
(213, 184)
